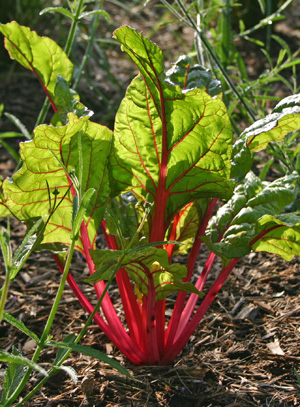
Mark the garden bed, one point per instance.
(247, 347)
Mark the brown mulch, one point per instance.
(247, 347)
(243, 354)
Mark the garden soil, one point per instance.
(246, 350)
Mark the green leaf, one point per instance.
(232, 229)
(128, 214)
(189, 219)
(26, 247)
(20, 325)
(61, 352)
(10, 134)
(11, 151)
(282, 237)
(21, 360)
(66, 101)
(149, 268)
(17, 122)
(40, 55)
(70, 372)
(13, 375)
(241, 160)
(284, 119)
(168, 142)
(189, 76)
(83, 207)
(60, 10)
(26, 194)
(4, 211)
(94, 12)
(86, 350)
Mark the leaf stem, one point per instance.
(179, 304)
(173, 350)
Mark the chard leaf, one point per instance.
(189, 219)
(241, 161)
(149, 268)
(27, 195)
(40, 55)
(280, 235)
(189, 76)
(4, 211)
(234, 226)
(168, 144)
(284, 119)
(66, 100)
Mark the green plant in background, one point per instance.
(243, 97)
(215, 18)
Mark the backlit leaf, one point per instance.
(27, 192)
(284, 119)
(40, 55)
(168, 144)
(282, 237)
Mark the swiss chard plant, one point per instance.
(168, 179)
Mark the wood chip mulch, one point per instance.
(244, 353)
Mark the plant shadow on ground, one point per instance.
(243, 353)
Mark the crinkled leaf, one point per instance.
(241, 161)
(284, 119)
(105, 264)
(27, 193)
(234, 226)
(282, 237)
(189, 76)
(148, 268)
(168, 143)
(41, 55)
